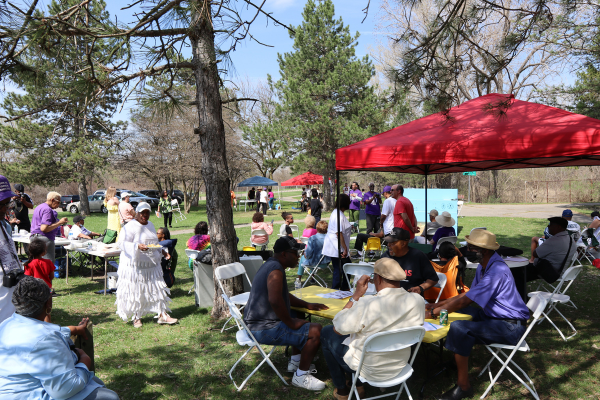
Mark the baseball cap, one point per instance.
(567, 213)
(125, 194)
(434, 213)
(388, 188)
(19, 187)
(389, 269)
(142, 206)
(78, 218)
(5, 191)
(287, 243)
(560, 221)
(397, 234)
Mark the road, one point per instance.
(526, 210)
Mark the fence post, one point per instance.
(525, 191)
(570, 192)
(546, 192)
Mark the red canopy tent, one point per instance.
(495, 131)
(307, 178)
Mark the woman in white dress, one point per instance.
(141, 288)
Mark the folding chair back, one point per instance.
(259, 232)
(385, 342)
(431, 232)
(537, 305)
(193, 254)
(568, 276)
(373, 244)
(451, 239)
(305, 239)
(175, 204)
(482, 228)
(236, 314)
(441, 284)
(295, 228)
(229, 271)
(357, 269)
(314, 273)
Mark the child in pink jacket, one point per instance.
(258, 222)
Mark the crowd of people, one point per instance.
(404, 279)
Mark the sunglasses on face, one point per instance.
(294, 252)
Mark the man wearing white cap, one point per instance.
(126, 211)
(141, 288)
(502, 317)
(391, 308)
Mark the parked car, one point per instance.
(96, 205)
(68, 199)
(102, 192)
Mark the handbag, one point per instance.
(110, 236)
(547, 272)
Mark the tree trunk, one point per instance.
(495, 183)
(196, 193)
(214, 162)
(84, 204)
(329, 200)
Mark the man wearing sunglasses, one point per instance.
(269, 316)
(502, 317)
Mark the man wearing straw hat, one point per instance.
(447, 227)
(502, 318)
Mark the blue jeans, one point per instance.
(282, 335)
(334, 351)
(317, 219)
(102, 393)
(271, 201)
(339, 281)
(463, 335)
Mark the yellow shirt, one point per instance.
(113, 217)
(389, 309)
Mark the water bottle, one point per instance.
(70, 235)
(16, 230)
(298, 287)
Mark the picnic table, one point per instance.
(102, 251)
(310, 294)
(246, 201)
(59, 241)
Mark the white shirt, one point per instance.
(575, 230)
(346, 190)
(388, 211)
(264, 196)
(389, 309)
(77, 230)
(330, 247)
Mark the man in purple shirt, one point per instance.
(372, 202)
(45, 224)
(502, 318)
(355, 199)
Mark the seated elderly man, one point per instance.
(573, 227)
(502, 317)
(79, 231)
(420, 274)
(557, 251)
(271, 321)
(432, 224)
(392, 308)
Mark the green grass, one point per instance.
(191, 360)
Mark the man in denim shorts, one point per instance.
(272, 322)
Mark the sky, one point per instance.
(253, 62)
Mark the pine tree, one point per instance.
(325, 97)
(74, 137)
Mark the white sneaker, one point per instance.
(293, 366)
(307, 381)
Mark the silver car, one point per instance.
(96, 205)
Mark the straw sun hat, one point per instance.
(445, 219)
(482, 238)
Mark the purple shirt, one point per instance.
(373, 208)
(441, 232)
(496, 293)
(355, 204)
(44, 215)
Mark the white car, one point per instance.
(96, 205)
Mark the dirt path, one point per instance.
(525, 210)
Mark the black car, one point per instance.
(66, 200)
(155, 194)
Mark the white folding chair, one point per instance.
(440, 284)
(192, 254)
(229, 271)
(259, 232)
(295, 228)
(359, 268)
(557, 296)
(175, 206)
(537, 304)
(385, 342)
(430, 233)
(451, 239)
(313, 273)
(245, 338)
(459, 205)
(304, 239)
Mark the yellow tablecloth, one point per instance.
(310, 293)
